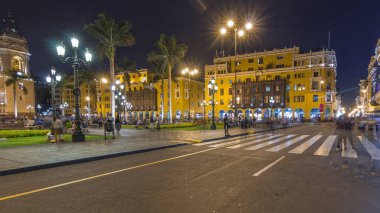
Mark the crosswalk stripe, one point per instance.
(301, 148)
(370, 147)
(288, 143)
(254, 142)
(237, 141)
(225, 140)
(348, 151)
(325, 148)
(258, 146)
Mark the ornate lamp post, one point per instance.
(271, 102)
(239, 31)
(53, 78)
(117, 89)
(75, 61)
(213, 88)
(193, 72)
(30, 107)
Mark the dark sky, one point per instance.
(354, 25)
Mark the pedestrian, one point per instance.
(158, 122)
(348, 124)
(226, 125)
(118, 124)
(151, 123)
(340, 131)
(57, 129)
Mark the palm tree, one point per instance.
(170, 54)
(160, 72)
(14, 77)
(110, 35)
(88, 78)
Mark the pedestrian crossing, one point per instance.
(296, 144)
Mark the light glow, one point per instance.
(75, 42)
(230, 23)
(241, 33)
(88, 56)
(61, 50)
(58, 78)
(48, 79)
(223, 30)
(248, 26)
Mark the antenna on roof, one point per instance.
(328, 43)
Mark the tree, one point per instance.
(159, 71)
(88, 78)
(110, 35)
(14, 78)
(170, 54)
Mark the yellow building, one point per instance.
(144, 96)
(278, 83)
(14, 55)
(87, 98)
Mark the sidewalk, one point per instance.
(21, 159)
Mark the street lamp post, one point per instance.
(239, 31)
(53, 78)
(204, 103)
(186, 71)
(117, 89)
(77, 135)
(30, 107)
(271, 101)
(39, 109)
(213, 88)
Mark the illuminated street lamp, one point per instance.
(213, 88)
(239, 31)
(75, 61)
(39, 108)
(53, 78)
(30, 107)
(190, 73)
(271, 102)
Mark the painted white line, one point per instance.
(259, 146)
(325, 148)
(267, 167)
(288, 143)
(370, 147)
(237, 141)
(349, 152)
(301, 148)
(254, 142)
(226, 140)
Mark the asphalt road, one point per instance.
(293, 171)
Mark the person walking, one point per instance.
(340, 131)
(226, 125)
(158, 122)
(151, 123)
(57, 129)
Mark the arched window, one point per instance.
(16, 63)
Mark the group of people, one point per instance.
(154, 123)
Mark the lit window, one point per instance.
(315, 98)
(267, 88)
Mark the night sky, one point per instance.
(354, 25)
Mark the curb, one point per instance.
(83, 160)
(232, 136)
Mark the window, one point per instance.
(295, 75)
(267, 88)
(315, 85)
(287, 99)
(303, 75)
(328, 97)
(280, 65)
(298, 98)
(230, 81)
(277, 77)
(328, 73)
(221, 81)
(277, 88)
(299, 87)
(107, 98)
(302, 98)
(250, 69)
(280, 57)
(260, 60)
(16, 63)
(288, 76)
(250, 60)
(294, 98)
(315, 74)
(287, 87)
(299, 75)
(328, 86)
(221, 102)
(315, 98)
(230, 91)
(295, 87)
(221, 91)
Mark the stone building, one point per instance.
(14, 55)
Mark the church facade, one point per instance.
(14, 56)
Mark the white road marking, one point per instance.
(258, 146)
(267, 167)
(288, 143)
(301, 148)
(224, 140)
(325, 148)
(254, 142)
(348, 151)
(237, 141)
(370, 147)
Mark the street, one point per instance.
(292, 170)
